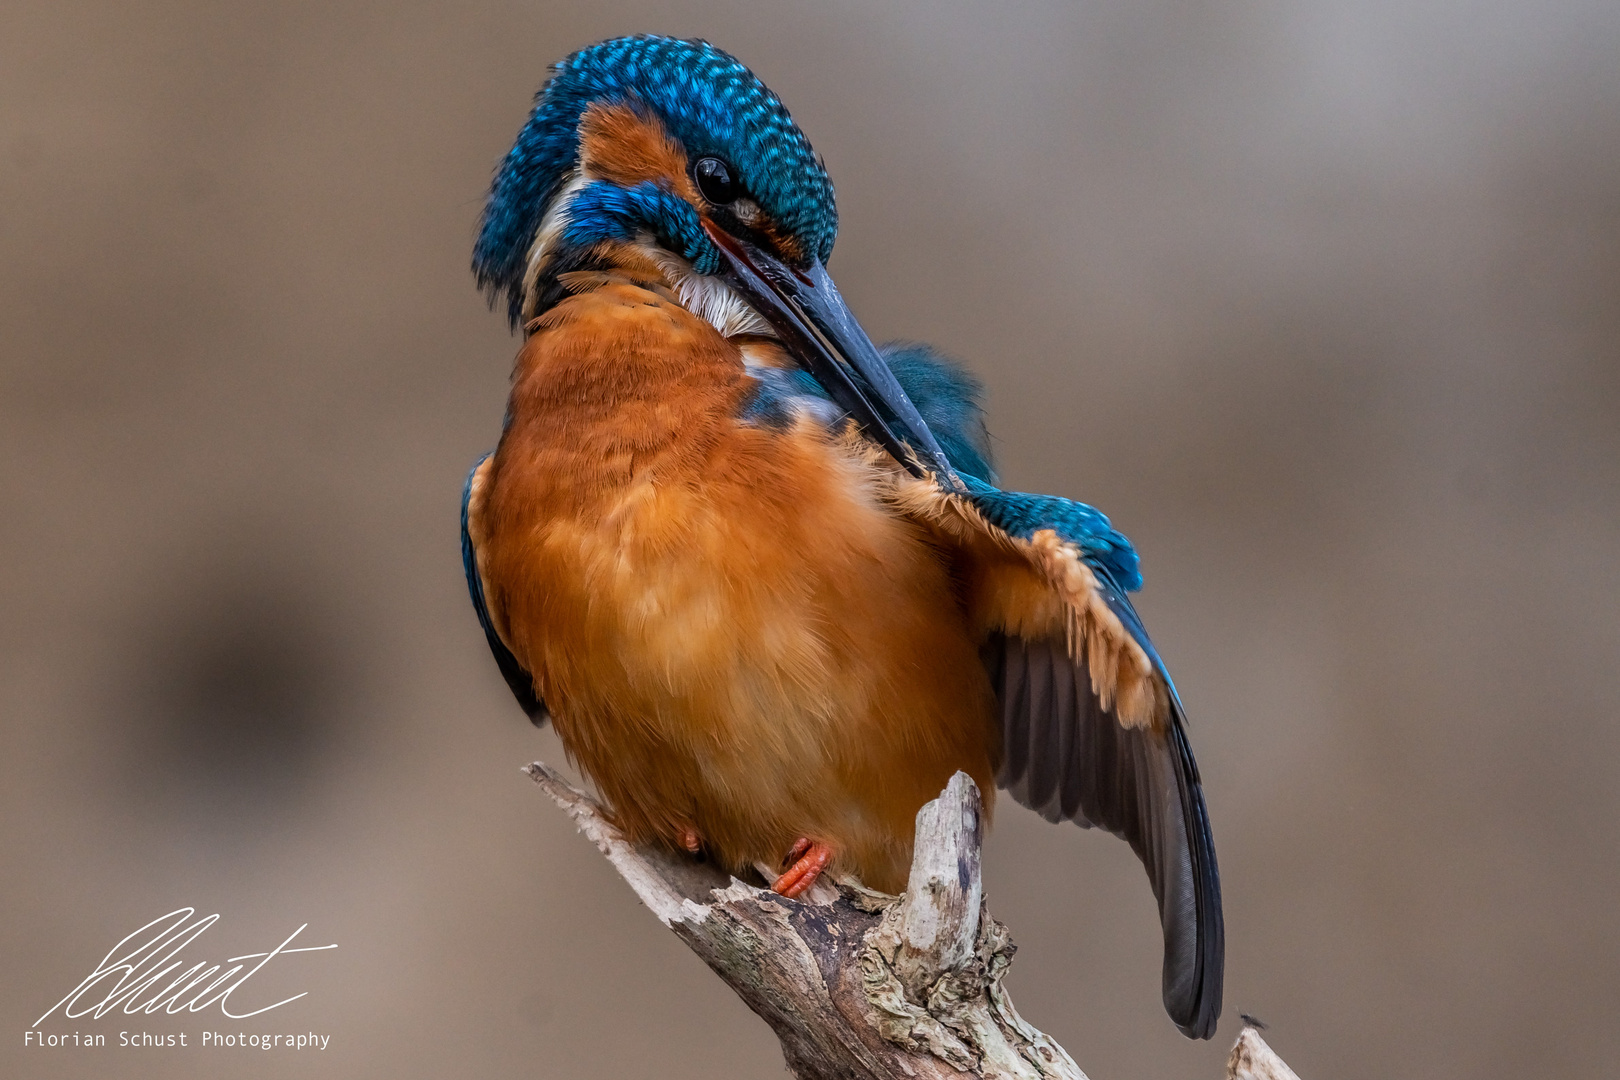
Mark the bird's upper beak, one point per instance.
(820, 332)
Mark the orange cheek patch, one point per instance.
(620, 144)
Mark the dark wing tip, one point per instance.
(1065, 757)
(1194, 970)
(1188, 878)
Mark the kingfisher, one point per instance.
(757, 570)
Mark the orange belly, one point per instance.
(732, 632)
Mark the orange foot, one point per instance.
(690, 840)
(808, 860)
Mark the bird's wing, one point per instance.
(1092, 728)
(472, 533)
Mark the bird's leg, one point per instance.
(690, 841)
(808, 859)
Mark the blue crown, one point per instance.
(706, 100)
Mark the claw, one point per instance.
(690, 840)
(808, 860)
(796, 852)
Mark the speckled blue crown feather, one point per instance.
(707, 100)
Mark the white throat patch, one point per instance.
(552, 224)
(707, 297)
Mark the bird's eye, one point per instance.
(715, 181)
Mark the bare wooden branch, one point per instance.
(859, 985)
(1252, 1059)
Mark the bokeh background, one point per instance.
(1320, 301)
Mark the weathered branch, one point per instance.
(1252, 1059)
(857, 984)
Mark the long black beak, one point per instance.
(818, 329)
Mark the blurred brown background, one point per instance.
(1321, 302)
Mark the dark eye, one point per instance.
(715, 182)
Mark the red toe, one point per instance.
(809, 860)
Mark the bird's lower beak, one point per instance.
(820, 332)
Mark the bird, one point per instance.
(757, 571)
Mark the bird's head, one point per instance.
(671, 155)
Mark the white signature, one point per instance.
(151, 959)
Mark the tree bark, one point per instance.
(859, 985)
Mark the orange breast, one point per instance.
(733, 632)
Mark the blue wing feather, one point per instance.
(521, 682)
(947, 397)
(1102, 547)
(945, 394)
